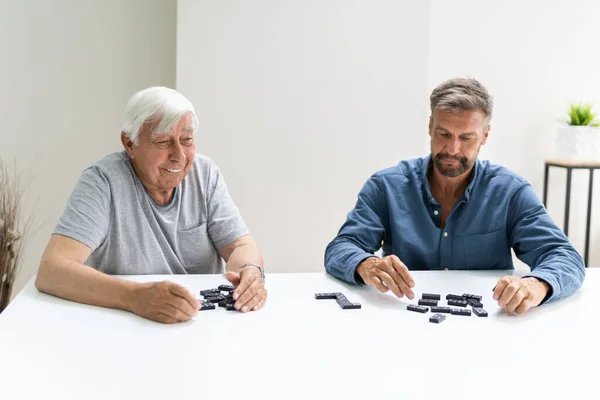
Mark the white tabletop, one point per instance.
(300, 348)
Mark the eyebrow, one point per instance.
(460, 134)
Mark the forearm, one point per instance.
(563, 270)
(342, 257)
(247, 253)
(77, 282)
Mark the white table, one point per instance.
(301, 348)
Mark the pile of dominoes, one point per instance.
(223, 296)
(431, 300)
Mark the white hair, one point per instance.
(155, 104)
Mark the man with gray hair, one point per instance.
(451, 211)
(155, 208)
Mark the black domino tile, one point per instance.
(457, 303)
(445, 310)
(226, 288)
(472, 296)
(454, 297)
(431, 296)
(437, 318)
(474, 303)
(207, 306)
(326, 296)
(460, 311)
(209, 292)
(416, 308)
(427, 302)
(215, 299)
(351, 306)
(480, 312)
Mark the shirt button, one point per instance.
(435, 212)
(445, 234)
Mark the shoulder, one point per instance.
(405, 171)
(497, 176)
(112, 166)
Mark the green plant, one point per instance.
(581, 115)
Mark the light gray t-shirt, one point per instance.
(129, 233)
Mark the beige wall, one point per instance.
(67, 67)
(299, 103)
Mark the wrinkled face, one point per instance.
(161, 160)
(456, 138)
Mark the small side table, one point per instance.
(570, 166)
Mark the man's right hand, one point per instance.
(164, 302)
(387, 273)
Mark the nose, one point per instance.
(177, 154)
(453, 146)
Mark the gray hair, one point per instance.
(157, 104)
(462, 94)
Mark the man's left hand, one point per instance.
(250, 293)
(520, 294)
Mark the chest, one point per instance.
(447, 207)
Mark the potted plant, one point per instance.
(13, 230)
(579, 139)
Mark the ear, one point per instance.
(127, 144)
(430, 124)
(486, 134)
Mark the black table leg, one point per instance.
(589, 218)
(567, 202)
(546, 185)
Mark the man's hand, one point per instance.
(520, 294)
(387, 273)
(250, 293)
(164, 302)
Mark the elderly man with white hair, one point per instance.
(155, 208)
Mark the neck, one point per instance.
(446, 188)
(161, 197)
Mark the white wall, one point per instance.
(535, 57)
(299, 103)
(68, 66)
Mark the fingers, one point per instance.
(164, 318)
(251, 291)
(402, 270)
(525, 305)
(174, 313)
(501, 285)
(509, 292)
(181, 305)
(517, 299)
(513, 295)
(376, 282)
(389, 282)
(261, 295)
(184, 294)
(398, 285)
(233, 277)
(261, 303)
(247, 276)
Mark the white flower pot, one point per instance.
(578, 143)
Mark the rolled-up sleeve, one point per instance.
(541, 244)
(360, 236)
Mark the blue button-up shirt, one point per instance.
(498, 211)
